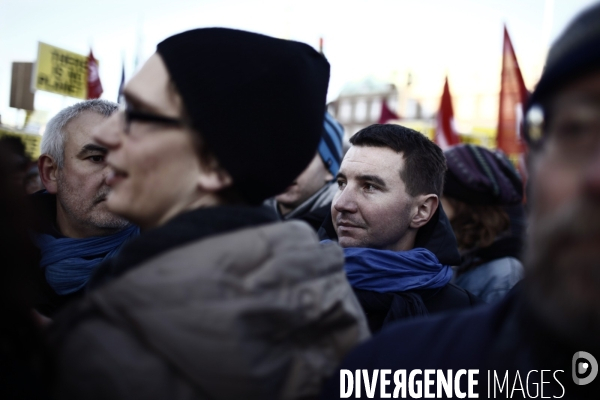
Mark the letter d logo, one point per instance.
(583, 367)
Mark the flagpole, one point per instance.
(138, 47)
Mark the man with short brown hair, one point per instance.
(387, 216)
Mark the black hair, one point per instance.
(425, 164)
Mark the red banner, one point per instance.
(445, 132)
(513, 96)
(386, 113)
(94, 85)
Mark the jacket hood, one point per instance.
(264, 312)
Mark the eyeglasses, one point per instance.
(574, 128)
(131, 115)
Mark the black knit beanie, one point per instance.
(477, 175)
(257, 101)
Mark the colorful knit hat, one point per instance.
(477, 175)
(331, 144)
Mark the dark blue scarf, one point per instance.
(68, 263)
(386, 271)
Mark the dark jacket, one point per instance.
(230, 306)
(47, 301)
(314, 210)
(181, 230)
(384, 308)
(505, 336)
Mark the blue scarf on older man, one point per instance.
(387, 271)
(68, 263)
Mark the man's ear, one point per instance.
(427, 205)
(213, 180)
(48, 172)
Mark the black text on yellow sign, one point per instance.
(61, 71)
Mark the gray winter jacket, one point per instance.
(491, 281)
(260, 313)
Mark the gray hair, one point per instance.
(53, 141)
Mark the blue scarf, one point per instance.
(387, 271)
(68, 263)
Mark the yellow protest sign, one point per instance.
(60, 71)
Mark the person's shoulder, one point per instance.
(501, 266)
(449, 297)
(492, 280)
(462, 295)
(440, 341)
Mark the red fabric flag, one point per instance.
(513, 96)
(445, 132)
(94, 85)
(386, 113)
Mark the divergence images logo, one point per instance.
(584, 364)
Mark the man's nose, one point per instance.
(345, 201)
(108, 133)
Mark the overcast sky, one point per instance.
(383, 39)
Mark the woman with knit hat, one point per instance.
(216, 298)
(481, 186)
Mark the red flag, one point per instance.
(94, 85)
(386, 113)
(445, 132)
(513, 96)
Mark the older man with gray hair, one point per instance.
(77, 231)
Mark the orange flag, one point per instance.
(445, 132)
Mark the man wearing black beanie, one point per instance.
(215, 299)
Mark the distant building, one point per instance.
(359, 104)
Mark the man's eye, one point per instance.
(369, 188)
(96, 159)
(341, 184)
(570, 129)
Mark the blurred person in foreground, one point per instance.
(546, 322)
(389, 186)
(479, 185)
(17, 160)
(23, 170)
(215, 299)
(33, 182)
(24, 360)
(77, 231)
(309, 197)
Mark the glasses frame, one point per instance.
(131, 115)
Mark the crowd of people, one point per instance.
(177, 252)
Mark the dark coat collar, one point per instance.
(182, 229)
(44, 206)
